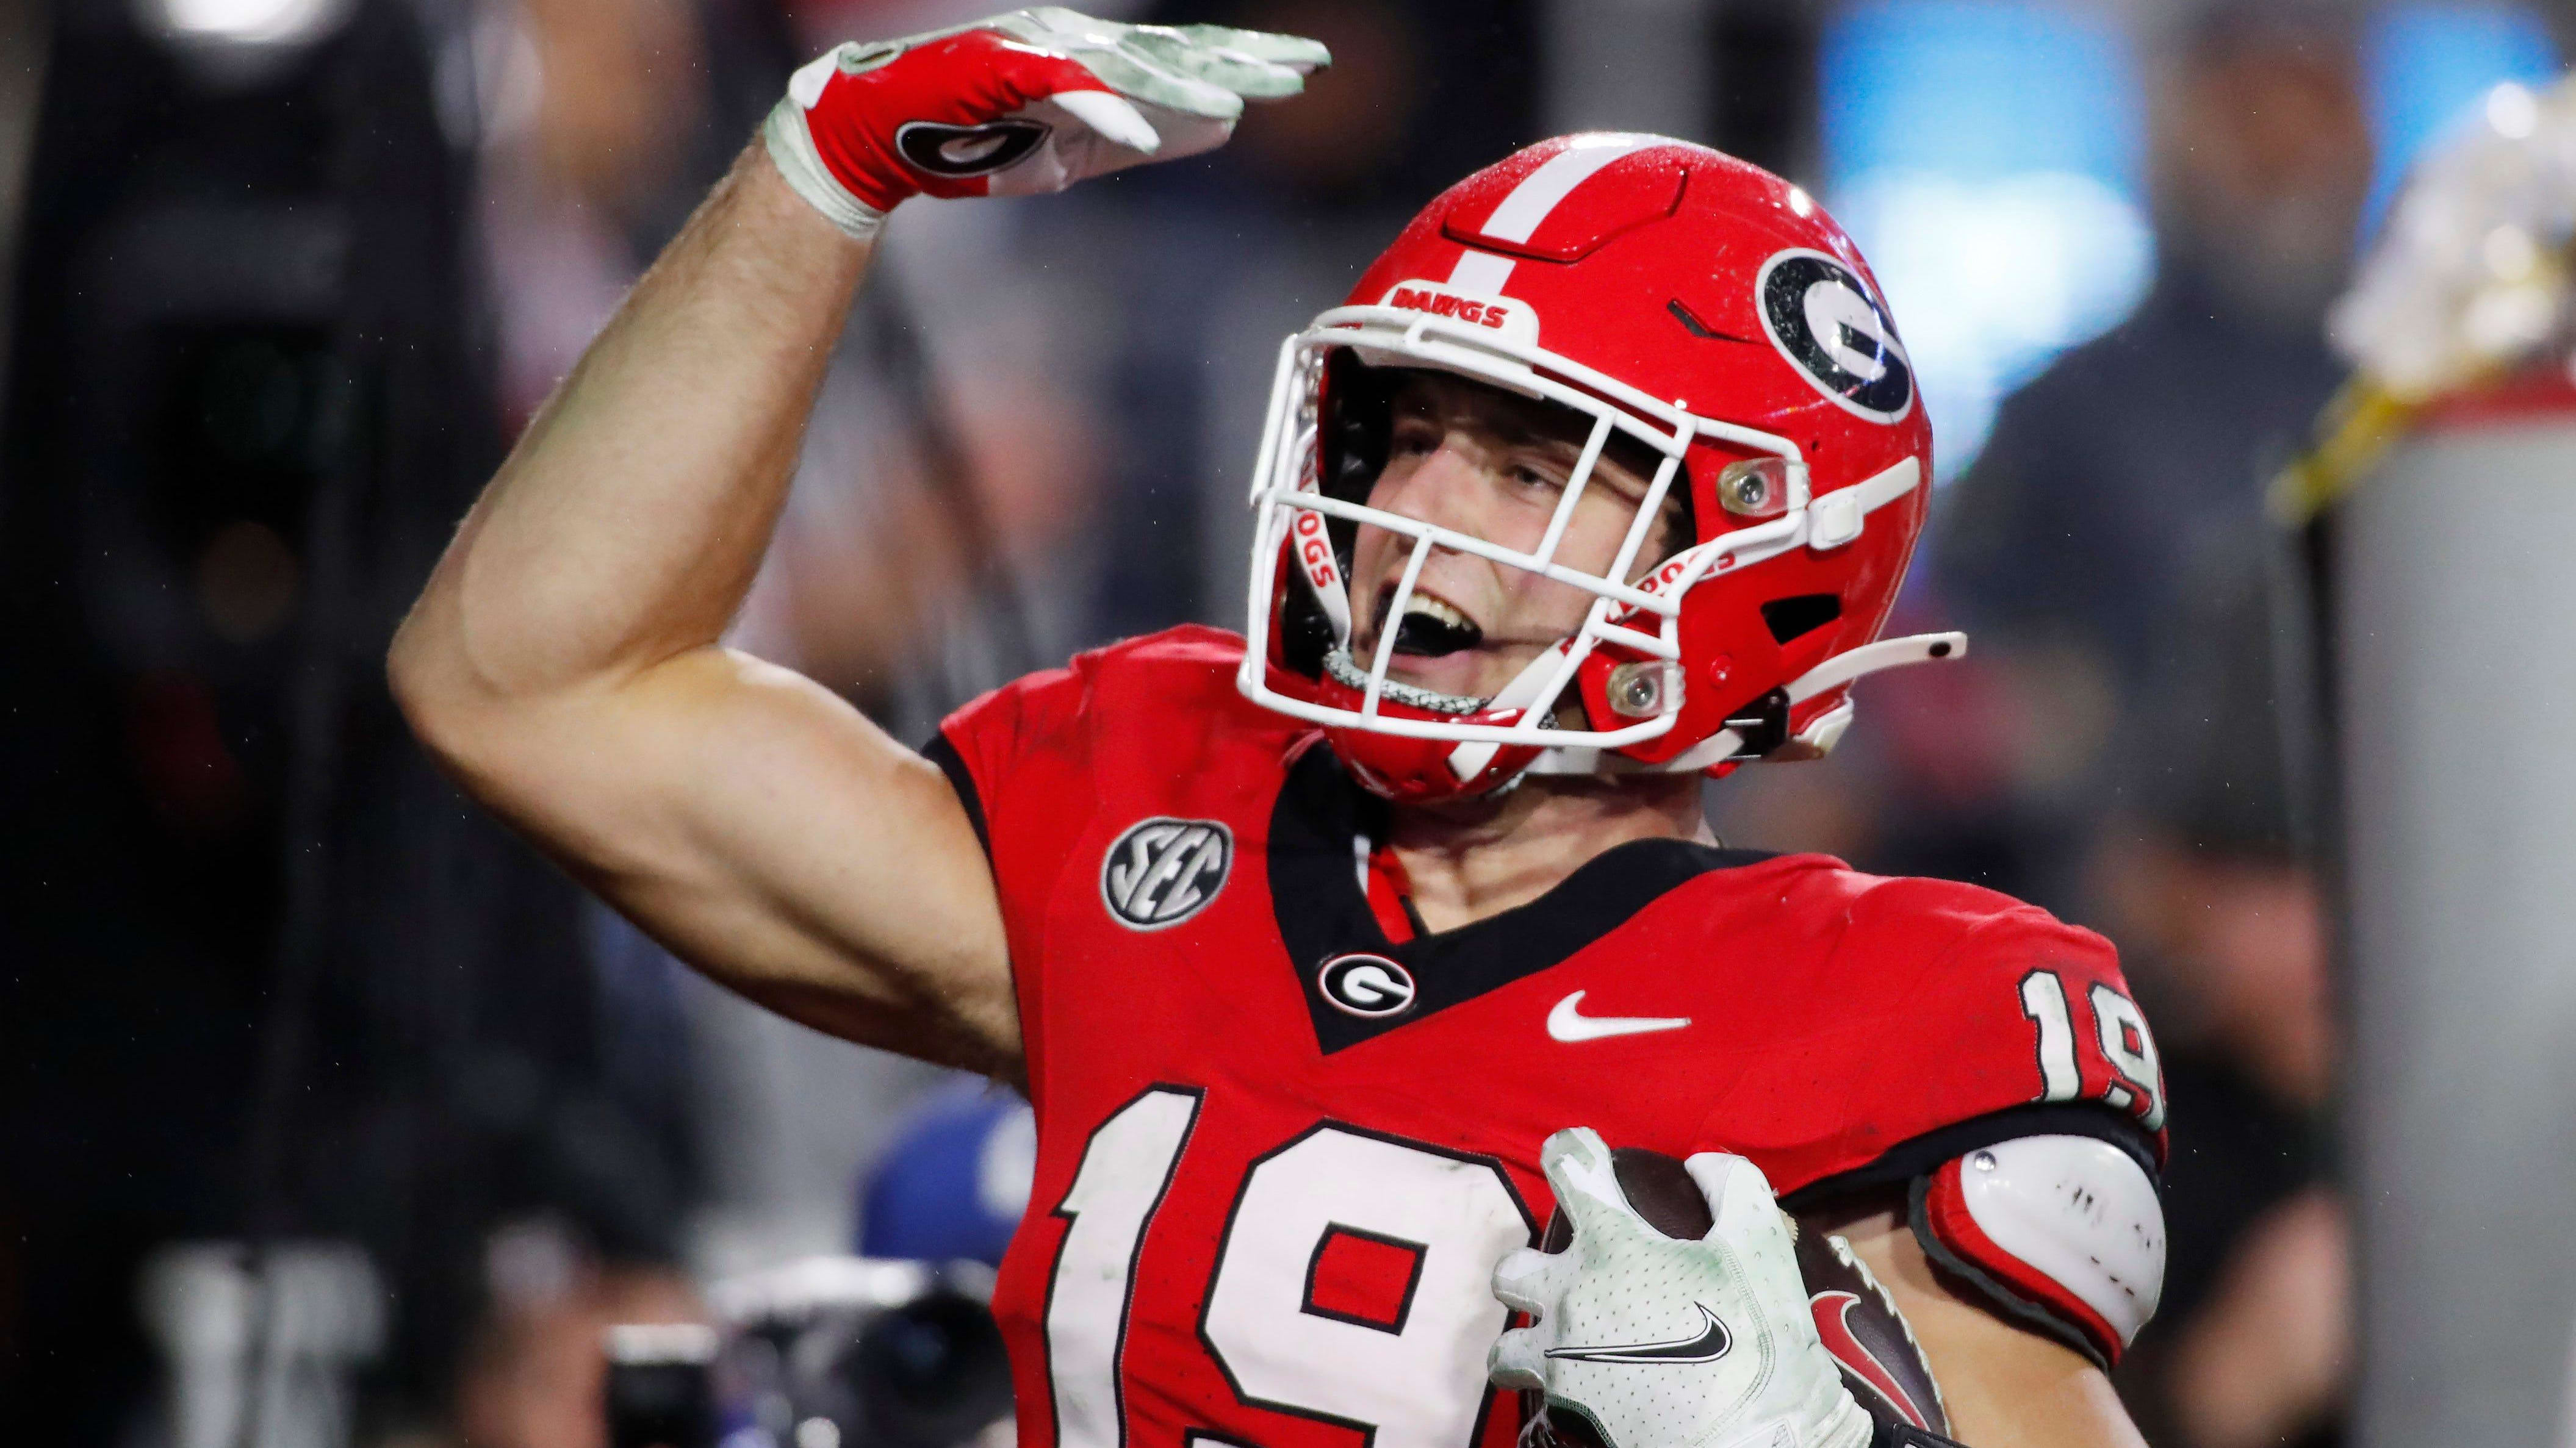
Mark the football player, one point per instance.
(1303, 941)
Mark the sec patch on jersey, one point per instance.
(1163, 871)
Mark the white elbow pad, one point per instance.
(2065, 1233)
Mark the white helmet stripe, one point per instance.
(1519, 215)
(1481, 272)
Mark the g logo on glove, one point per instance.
(943, 150)
(1027, 102)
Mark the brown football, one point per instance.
(1658, 1186)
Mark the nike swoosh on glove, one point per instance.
(1661, 1342)
(1022, 103)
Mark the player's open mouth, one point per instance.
(1432, 626)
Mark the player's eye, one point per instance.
(1536, 477)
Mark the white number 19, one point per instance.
(2122, 1035)
(1414, 1381)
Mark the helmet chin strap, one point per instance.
(1851, 664)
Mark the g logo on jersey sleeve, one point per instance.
(1163, 871)
(1833, 328)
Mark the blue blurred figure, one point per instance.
(954, 1181)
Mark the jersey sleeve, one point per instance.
(2016, 1101)
(1965, 1018)
(1009, 756)
(988, 747)
(1032, 761)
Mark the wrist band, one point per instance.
(791, 150)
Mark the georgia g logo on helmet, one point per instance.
(1833, 328)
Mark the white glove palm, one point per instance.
(1665, 1343)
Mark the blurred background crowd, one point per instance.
(286, 276)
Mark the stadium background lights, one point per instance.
(1991, 159)
(233, 43)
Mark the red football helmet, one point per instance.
(1673, 295)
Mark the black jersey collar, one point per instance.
(1324, 916)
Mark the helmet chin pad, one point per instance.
(1410, 770)
(1425, 771)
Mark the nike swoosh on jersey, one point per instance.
(1706, 1346)
(1568, 1022)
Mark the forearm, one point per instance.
(2002, 1386)
(628, 523)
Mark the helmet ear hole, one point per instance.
(1801, 614)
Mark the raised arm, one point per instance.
(563, 662)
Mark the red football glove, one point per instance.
(1026, 102)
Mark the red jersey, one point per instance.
(1282, 1139)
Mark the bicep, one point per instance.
(772, 837)
(2004, 1386)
